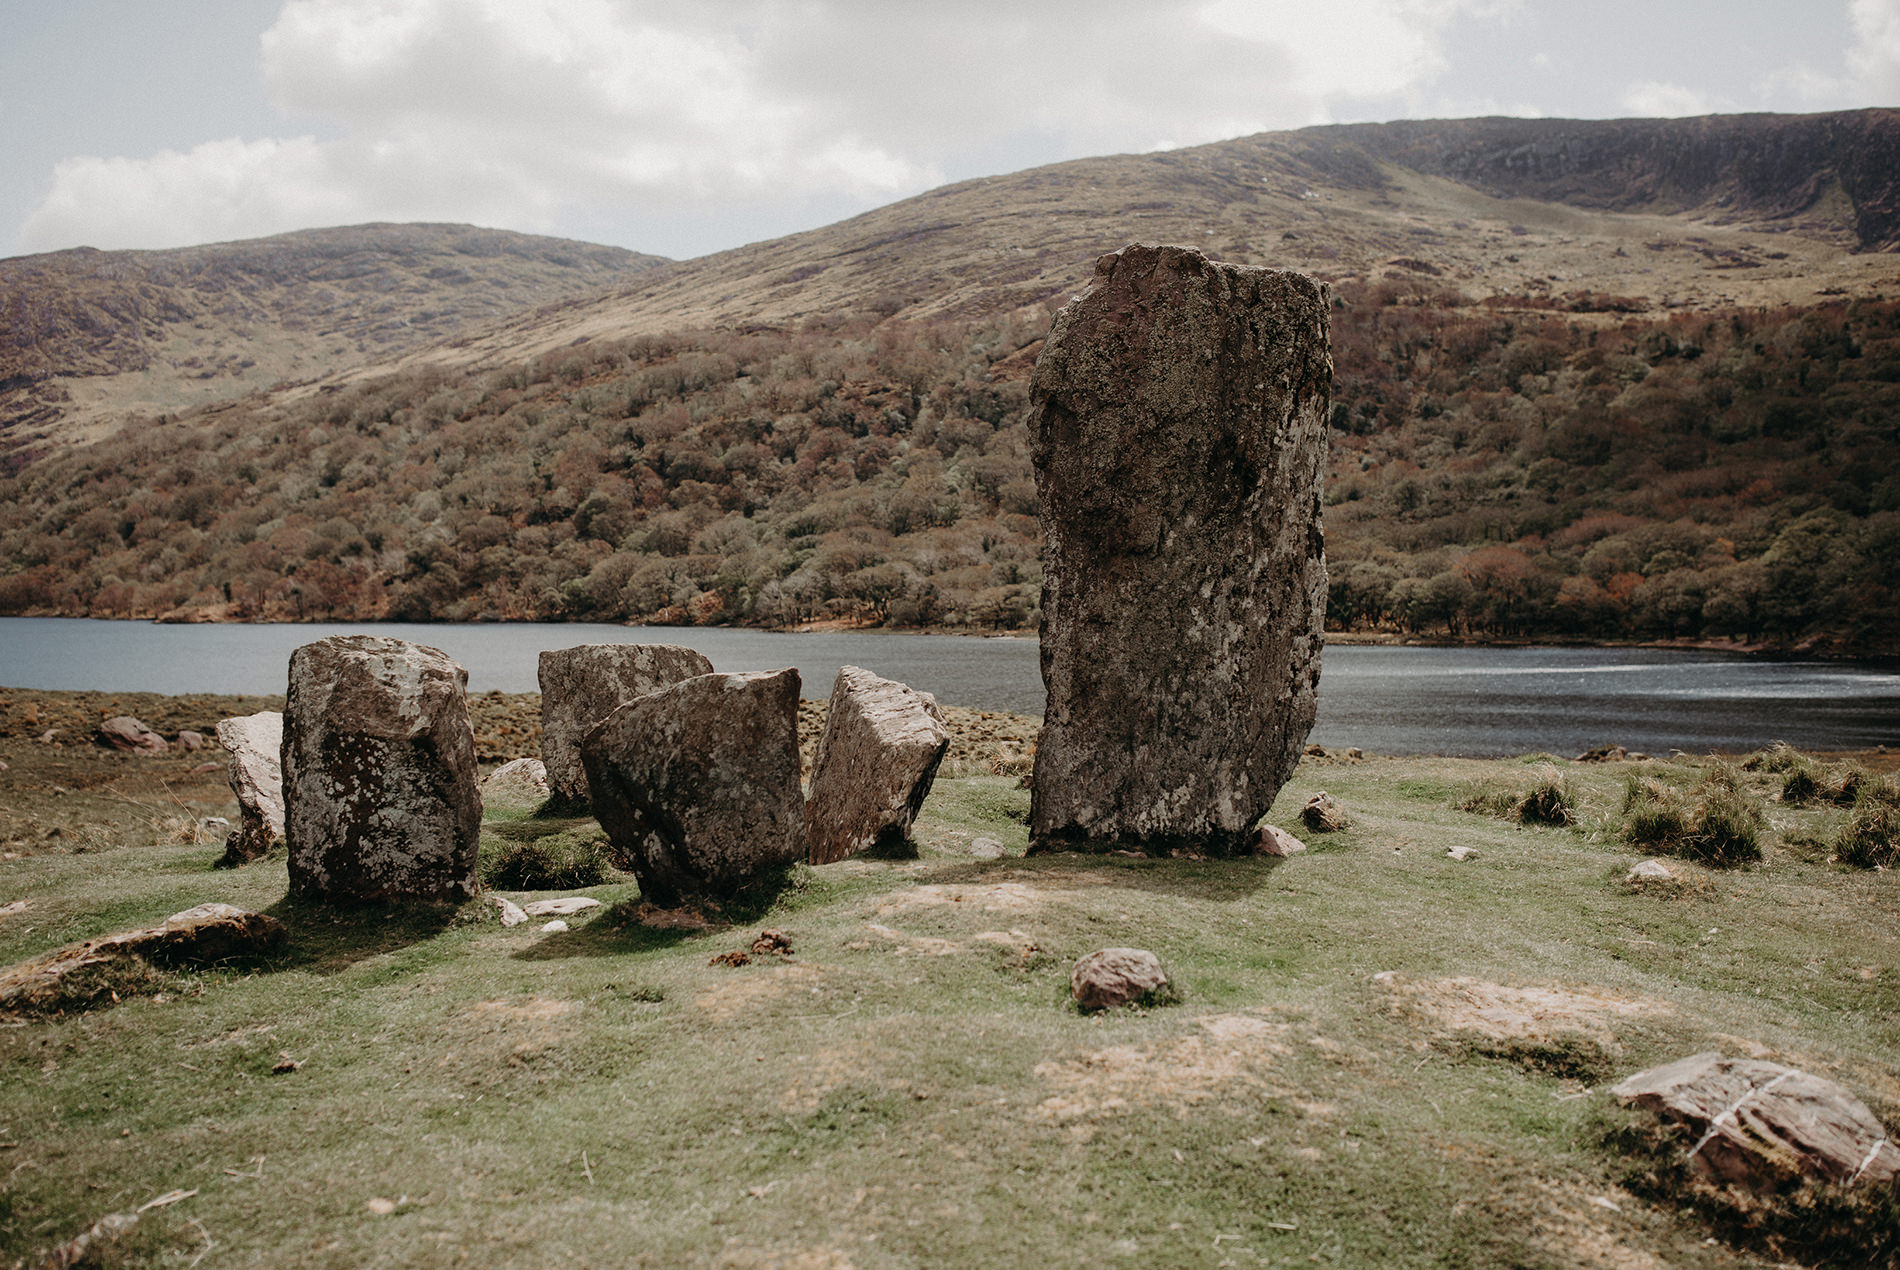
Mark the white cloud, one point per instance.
(1652, 98)
(1875, 58)
(534, 113)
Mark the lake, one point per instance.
(1469, 701)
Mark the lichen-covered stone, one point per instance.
(380, 801)
(1178, 423)
(255, 743)
(697, 784)
(584, 684)
(518, 785)
(874, 766)
(1110, 977)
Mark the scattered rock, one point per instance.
(735, 959)
(48, 737)
(16, 906)
(697, 784)
(1650, 871)
(772, 943)
(256, 776)
(560, 908)
(556, 925)
(1355, 754)
(1314, 751)
(1603, 754)
(1764, 1127)
(379, 773)
(190, 741)
(1274, 841)
(511, 912)
(1178, 423)
(1461, 853)
(987, 849)
(517, 785)
(876, 760)
(201, 769)
(582, 685)
(215, 825)
(128, 734)
(1322, 814)
(1110, 977)
(204, 935)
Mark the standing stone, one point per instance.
(1178, 423)
(697, 784)
(582, 685)
(875, 763)
(256, 744)
(379, 772)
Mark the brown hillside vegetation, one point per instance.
(1668, 410)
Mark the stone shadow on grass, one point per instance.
(1223, 880)
(328, 938)
(633, 926)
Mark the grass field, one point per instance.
(1383, 1056)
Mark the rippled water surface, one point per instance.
(1476, 701)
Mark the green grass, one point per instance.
(911, 1088)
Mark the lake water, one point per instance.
(1471, 701)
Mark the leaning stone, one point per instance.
(379, 773)
(1322, 814)
(518, 785)
(560, 908)
(205, 935)
(1110, 977)
(256, 776)
(582, 685)
(1765, 1127)
(128, 734)
(1273, 841)
(874, 765)
(1178, 423)
(697, 784)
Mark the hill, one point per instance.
(1663, 409)
(90, 337)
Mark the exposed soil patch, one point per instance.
(1228, 1055)
(742, 996)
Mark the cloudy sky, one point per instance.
(687, 126)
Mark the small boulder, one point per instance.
(582, 685)
(987, 849)
(1274, 841)
(1322, 814)
(1110, 977)
(518, 785)
(874, 765)
(128, 734)
(256, 776)
(512, 913)
(1461, 853)
(379, 773)
(1765, 1127)
(697, 784)
(1649, 871)
(189, 741)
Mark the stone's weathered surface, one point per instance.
(379, 773)
(565, 907)
(1649, 871)
(987, 849)
(1462, 853)
(517, 785)
(1178, 423)
(1764, 1127)
(204, 935)
(190, 741)
(511, 912)
(1274, 841)
(697, 784)
(1110, 977)
(129, 734)
(256, 746)
(582, 685)
(1323, 814)
(875, 763)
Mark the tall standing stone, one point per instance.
(380, 800)
(697, 784)
(582, 685)
(256, 745)
(1178, 422)
(882, 743)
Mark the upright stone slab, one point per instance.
(1178, 422)
(697, 784)
(380, 801)
(582, 685)
(255, 743)
(875, 763)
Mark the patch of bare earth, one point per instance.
(1496, 1012)
(518, 1031)
(1227, 1055)
(754, 986)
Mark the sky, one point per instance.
(684, 127)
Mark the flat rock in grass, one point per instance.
(1650, 871)
(1178, 428)
(511, 912)
(1271, 840)
(1765, 1127)
(380, 800)
(987, 849)
(205, 935)
(560, 908)
(1110, 977)
(697, 785)
(518, 785)
(256, 775)
(132, 736)
(875, 762)
(584, 684)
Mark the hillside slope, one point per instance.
(88, 337)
